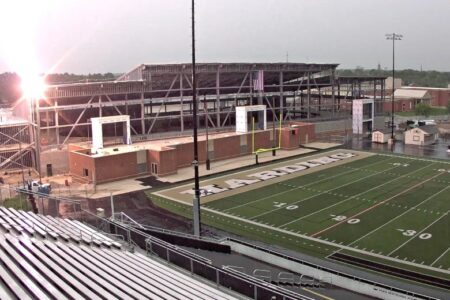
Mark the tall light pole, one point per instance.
(394, 37)
(196, 201)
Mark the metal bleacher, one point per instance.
(43, 257)
(50, 227)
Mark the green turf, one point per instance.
(391, 205)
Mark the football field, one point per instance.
(386, 208)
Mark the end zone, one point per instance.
(227, 185)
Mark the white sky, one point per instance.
(84, 36)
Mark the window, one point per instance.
(85, 172)
(416, 138)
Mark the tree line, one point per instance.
(10, 82)
(410, 77)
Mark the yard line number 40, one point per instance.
(283, 205)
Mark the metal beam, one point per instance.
(78, 120)
(163, 102)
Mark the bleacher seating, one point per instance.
(42, 257)
(23, 222)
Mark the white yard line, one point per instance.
(315, 195)
(413, 158)
(303, 186)
(376, 205)
(402, 214)
(320, 241)
(349, 198)
(440, 256)
(420, 232)
(267, 167)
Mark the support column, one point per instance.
(333, 96)
(100, 113)
(320, 99)
(181, 104)
(57, 122)
(339, 97)
(38, 137)
(142, 112)
(281, 106)
(309, 97)
(250, 78)
(218, 99)
(375, 103)
(47, 122)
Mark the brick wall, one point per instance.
(78, 162)
(112, 167)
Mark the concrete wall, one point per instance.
(330, 126)
(58, 159)
(319, 273)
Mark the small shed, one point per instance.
(423, 135)
(381, 135)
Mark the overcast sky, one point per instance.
(84, 36)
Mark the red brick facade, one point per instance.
(168, 160)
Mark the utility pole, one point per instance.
(196, 201)
(393, 37)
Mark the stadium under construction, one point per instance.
(157, 101)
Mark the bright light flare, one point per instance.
(33, 87)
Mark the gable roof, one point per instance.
(384, 130)
(428, 129)
(412, 94)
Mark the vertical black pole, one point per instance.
(196, 202)
(393, 86)
(274, 153)
(208, 163)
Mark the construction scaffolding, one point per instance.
(17, 147)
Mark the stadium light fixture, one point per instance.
(394, 37)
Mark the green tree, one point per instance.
(422, 109)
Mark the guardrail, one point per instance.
(194, 263)
(333, 271)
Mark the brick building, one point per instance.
(407, 99)
(166, 156)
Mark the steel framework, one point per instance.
(159, 97)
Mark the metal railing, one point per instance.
(332, 271)
(125, 220)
